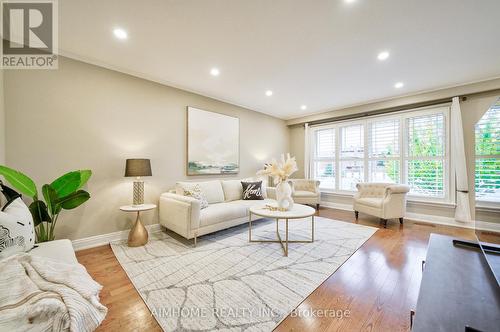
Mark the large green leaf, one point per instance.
(39, 212)
(74, 200)
(51, 198)
(67, 184)
(84, 177)
(19, 181)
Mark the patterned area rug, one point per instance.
(229, 284)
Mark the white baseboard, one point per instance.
(103, 239)
(431, 219)
(100, 240)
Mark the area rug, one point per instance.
(229, 284)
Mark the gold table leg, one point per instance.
(284, 244)
(138, 235)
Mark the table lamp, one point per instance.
(137, 168)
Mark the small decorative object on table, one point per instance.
(137, 168)
(281, 171)
(138, 235)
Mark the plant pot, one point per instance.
(284, 195)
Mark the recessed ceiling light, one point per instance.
(269, 93)
(214, 72)
(383, 55)
(399, 85)
(349, 1)
(303, 107)
(120, 33)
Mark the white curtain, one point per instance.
(306, 151)
(462, 210)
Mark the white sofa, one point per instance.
(305, 191)
(61, 250)
(383, 200)
(226, 208)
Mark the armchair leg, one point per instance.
(317, 206)
(401, 221)
(356, 214)
(384, 221)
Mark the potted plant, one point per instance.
(64, 193)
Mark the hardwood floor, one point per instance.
(372, 291)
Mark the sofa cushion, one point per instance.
(252, 190)
(370, 201)
(196, 192)
(220, 212)
(259, 178)
(302, 193)
(60, 250)
(232, 190)
(211, 189)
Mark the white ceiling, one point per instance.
(314, 52)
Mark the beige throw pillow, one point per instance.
(196, 192)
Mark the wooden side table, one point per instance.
(138, 235)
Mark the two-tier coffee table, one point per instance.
(299, 211)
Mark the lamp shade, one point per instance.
(138, 167)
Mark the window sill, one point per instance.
(487, 206)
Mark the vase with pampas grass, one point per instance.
(280, 171)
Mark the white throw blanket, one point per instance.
(40, 294)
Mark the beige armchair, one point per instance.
(383, 200)
(305, 191)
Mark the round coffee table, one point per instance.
(299, 211)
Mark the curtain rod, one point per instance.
(381, 111)
(398, 108)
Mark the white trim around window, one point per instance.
(380, 153)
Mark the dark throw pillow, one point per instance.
(252, 191)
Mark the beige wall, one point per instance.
(83, 116)
(297, 145)
(2, 121)
(472, 110)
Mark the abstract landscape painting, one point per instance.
(213, 143)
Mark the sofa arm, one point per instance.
(180, 213)
(397, 189)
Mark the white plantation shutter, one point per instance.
(384, 151)
(324, 158)
(351, 156)
(425, 155)
(325, 147)
(384, 138)
(352, 141)
(487, 171)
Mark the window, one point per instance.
(409, 147)
(351, 156)
(384, 155)
(487, 172)
(324, 158)
(425, 155)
